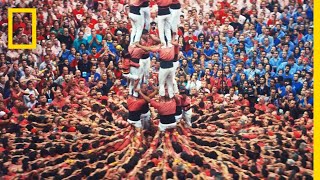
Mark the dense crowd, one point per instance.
(245, 66)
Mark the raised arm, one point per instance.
(146, 98)
(151, 48)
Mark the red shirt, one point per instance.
(167, 54)
(164, 2)
(165, 107)
(18, 25)
(185, 102)
(261, 107)
(76, 12)
(135, 104)
(59, 103)
(135, 52)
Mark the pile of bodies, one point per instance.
(231, 142)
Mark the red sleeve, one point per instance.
(154, 103)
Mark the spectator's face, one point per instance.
(216, 44)
(81, 84)
(290, 61)
(243, 76)
(308, 76)
(246, 110)
(225, 50)
(78, 73)
(78, 56)
(27, 71)
(80, 35)
(65, 70)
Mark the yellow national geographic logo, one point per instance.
(33, 44)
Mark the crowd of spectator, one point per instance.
(247, 66)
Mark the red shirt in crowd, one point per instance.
(18, 25)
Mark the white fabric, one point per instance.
(187, 116)
(165, 77)
(145, 12)
(175, 18)
(163, 127)
(164, 28)
(145, 67)
(175, 84)
(136, 124)
(137, 27)
(134, 73)
(178, 118)
(145, 120)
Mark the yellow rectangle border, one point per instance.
(316, 118)
(33, 44)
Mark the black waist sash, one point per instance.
(136, 60)
(145, 4)
(178, 110)
(134, 10)
(145, 108)
(145, 56)
(134, 115)
(163, 10)
(175, 6)
(167, 119)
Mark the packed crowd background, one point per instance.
(247, 66)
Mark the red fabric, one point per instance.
(135, 104)
(297, 134)
(72, 129)
(164, 107)
(34, 130)
(18, 25)
(167, 54)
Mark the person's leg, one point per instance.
(134, 74)
(145, 120)
(187, 116)
(175, 16)
(161, 26)
(169, 81)
(146, 70)
(139, 25)
(142, 63)
(167, 31)
(145, 11)
(162, 79)
(175, 84)
(133, 19)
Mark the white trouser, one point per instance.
(163, 127)
(165, 77)
(136, 124)
(164, 28)
(175, 17)
(145, 120)
(187, 116)
(134, 75)
(137, 27)
(178, 118)
(145, 12)
(145, 67)
(175, 84)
